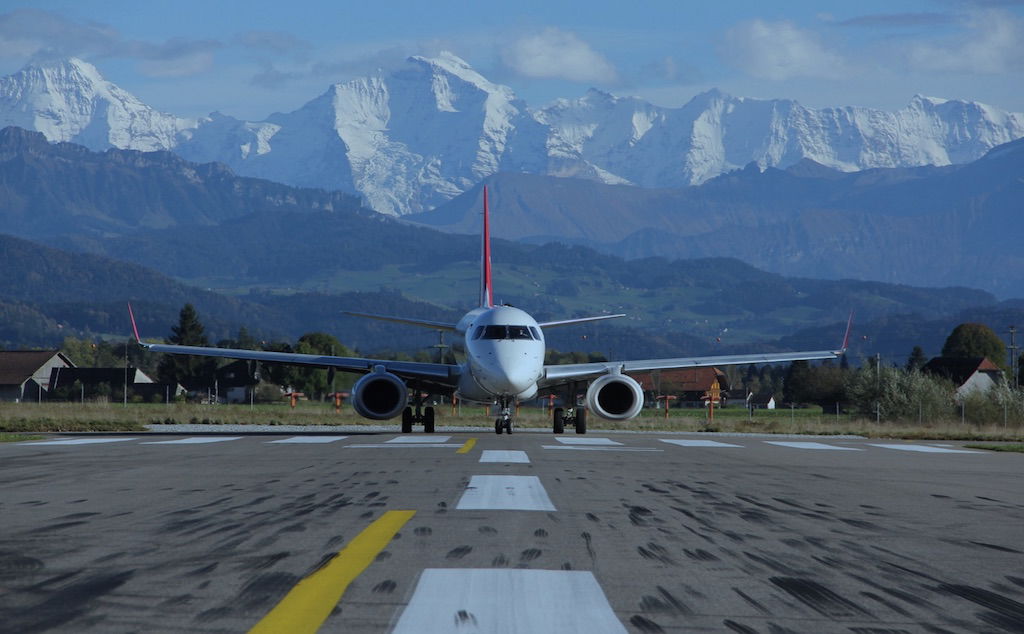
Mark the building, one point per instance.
(237, 381)
(969, 374)
(93, 382)
(689, 384)
(25, 374)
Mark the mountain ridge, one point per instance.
(414, 138)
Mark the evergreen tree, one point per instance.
(917, 359)
(794, 386)
(193, 372)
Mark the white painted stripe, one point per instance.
(508, 601)
(492, 455)
(570, 447)
(195, 440)
(924, 448)
(307, 439)
(385, 445)
(699, 443)
(586, 441)
(810, 445)
(427, 438)
(76, 441)
(505, 493)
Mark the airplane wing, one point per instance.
(557, 374)
(422, 323)
(438, 373)
(580, 320)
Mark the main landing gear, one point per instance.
(420, 416)
(575, 416)
(504, 422)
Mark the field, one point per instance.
(115, 417)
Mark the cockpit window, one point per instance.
(536, 333)
(506, 332)
(519, 332)
(479, 332)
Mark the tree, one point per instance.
(316, 382)
(917, 359)
(975, 340)
(794, 386)
(191, 371)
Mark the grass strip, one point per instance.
(1017, 447)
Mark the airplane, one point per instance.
(503, 348)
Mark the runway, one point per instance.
(473, 532)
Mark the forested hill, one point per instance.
(65, 189)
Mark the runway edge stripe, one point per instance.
(467, 446)
(310, 602)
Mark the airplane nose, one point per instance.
(516, 373)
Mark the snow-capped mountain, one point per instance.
(69, 100)
(412, 138)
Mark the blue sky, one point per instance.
(248, 59)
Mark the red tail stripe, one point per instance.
(486, 290)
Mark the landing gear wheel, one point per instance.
(498, 426)
(508, 426)
(407, 420)
(581, 420)
(428, 420)
(559, 424)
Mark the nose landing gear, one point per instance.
(504, 422)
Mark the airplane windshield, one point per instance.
(506, 332)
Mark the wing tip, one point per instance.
(135, 327)
(846, 337)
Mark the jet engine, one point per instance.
(615, 397)
(379, 395)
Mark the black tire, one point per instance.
(497, 426)
(508, 427)
(559, 423)
(407, 420)
(581, 420)
(428, 420)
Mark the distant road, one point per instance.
(463, 531)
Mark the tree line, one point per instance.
(873, 390)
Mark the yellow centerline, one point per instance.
(309, 603)
(466, 446)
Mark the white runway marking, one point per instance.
(195, 440)
(587, 441)
(570, 447)
(308, 439)
(426, 439)
(492, 455)
(924, 448)
(810, 445)
(77, 441)
(507, 601)
(407, 445)
(699, 443)
(505, 493)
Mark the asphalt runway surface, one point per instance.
(474, 532)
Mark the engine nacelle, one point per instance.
(615, 397)
(379, 395)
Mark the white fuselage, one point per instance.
(504, 349)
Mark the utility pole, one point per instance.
(1013, 355)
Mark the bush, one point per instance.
(901, 395)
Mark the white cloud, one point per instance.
(780, 51)
(557, 54)
(34, 33)
(992, 42)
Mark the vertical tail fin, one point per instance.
(486, 290)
